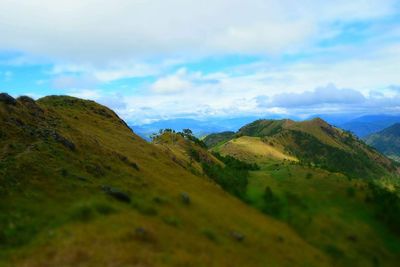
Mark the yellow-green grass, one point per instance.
(253, 149)
(329, 212)
(54, 212)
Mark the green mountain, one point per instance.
(386, 141)
(79, 188)
(312, 142)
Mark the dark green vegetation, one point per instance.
(386, 141)
(232, 177)
(355, 163)
(215, 139)
(385, 196)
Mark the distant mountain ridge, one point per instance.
(361, 125)
(387, 141)
(369, 124)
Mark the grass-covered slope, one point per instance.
(354, 224)
(79, 188)
(312, 142)
(387, 141)
(254, 149)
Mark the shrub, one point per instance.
(172, 220)
(233, 177)
(334, 251)
(104, 208)
(351, 191)
(232, 180)
(272, 204)
(83, 212)
(209, 234)
(144, 208)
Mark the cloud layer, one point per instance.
(109, 31)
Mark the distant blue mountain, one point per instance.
(369, 124)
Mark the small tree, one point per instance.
(187, 132)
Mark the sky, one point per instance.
(153, 60)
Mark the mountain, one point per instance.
(79, 188)
(369, 124)
(386, 141)
(312, 142)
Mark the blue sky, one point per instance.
(159, 59)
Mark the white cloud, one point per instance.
(329, 94)
(112, 71)
(102, 31)
(172, 83)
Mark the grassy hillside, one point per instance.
(312, 142)
(328, 210)
(79, 188)
(387, 141)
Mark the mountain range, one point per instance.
(369, 124)
(360, 125)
